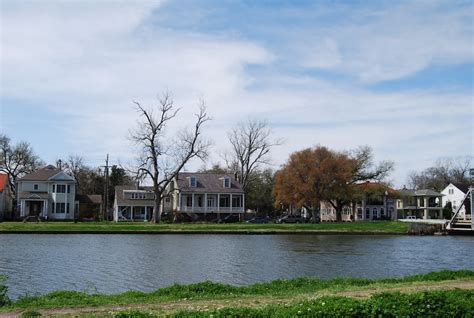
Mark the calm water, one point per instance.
(115, 263)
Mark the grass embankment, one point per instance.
(408, 296)
(377, 227)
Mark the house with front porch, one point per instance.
(423, 204)
(375, 201)
(133, 203)
(199, 195)
(47, 193)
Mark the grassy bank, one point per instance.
(382, 227)
(254, 300)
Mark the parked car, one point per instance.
(231, 218)
(258, 219)
(291, 219)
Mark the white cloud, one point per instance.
(88, 62)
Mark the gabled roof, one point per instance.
(3, 181)
(34, 195)
(208, 183)
(121, 201)
(464, 187)
(46, 173)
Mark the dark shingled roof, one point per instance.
(208, 183)
(121, 201)
(421, 192)
(42, 174)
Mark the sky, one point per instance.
(394, 75)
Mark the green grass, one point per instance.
(385, 227)
(209, 290)
(453, 303)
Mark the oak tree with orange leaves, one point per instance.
(310, 176)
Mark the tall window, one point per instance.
(189, 201)
(60, 188)
(226, 182)
(374, 212)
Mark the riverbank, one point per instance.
(408, 296)
(375, 227)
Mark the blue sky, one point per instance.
(394, 75)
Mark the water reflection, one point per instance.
(115, 263)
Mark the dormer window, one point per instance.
(35, 187)
(192, 182)
(226, 182)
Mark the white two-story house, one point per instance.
(48, 193)
(455, 193)
(198, 194)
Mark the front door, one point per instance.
(35, 208)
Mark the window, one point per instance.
(226, 182)
(451, 191)
(60, 188)
(192, 182)
(54, 189)
(189, 201)
(367, 213)
(67, 207)
(68, 188)
(35, 187)
(61, 207)
(374, 212)
(422, 202)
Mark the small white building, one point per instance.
(455, 193)
(48, 193)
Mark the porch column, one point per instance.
(44, 208)
(231, 203)
(205, 202)
(22, 207)
(425, 212)
(131, 212)
(146, 213)
(243, 202)
(218, 202)
(192, 202)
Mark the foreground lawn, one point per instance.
(408, 296)
(393, 227)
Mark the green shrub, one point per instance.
(4, 300)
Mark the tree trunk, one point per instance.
(156, 217)
(339, 213)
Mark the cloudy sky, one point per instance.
(394, 75)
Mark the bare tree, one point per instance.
(161, 161)
(251, 143)
(17, 160)
(444, 172)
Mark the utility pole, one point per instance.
(106, 192)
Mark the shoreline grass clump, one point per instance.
(210, 290)
(452, 303)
